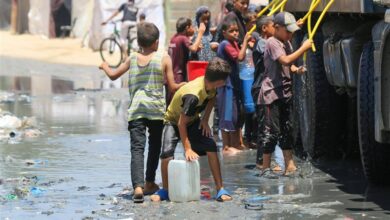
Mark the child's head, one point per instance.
(229, 6)
(265, 26)
(285, 25)
(184, 26)
(241, 6)
(203, 15)
(216, 73)
(142, 17)
(250, 20)
(147, 35)
(230, 30)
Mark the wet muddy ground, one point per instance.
(78, 167)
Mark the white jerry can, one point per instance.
(183, 178)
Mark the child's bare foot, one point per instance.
(150, 188)
(277, 168)
(160, 195)
(230, 151)
(290, 171)
(155, 198)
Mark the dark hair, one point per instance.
(142, 16)
(199, 12)
(263, 20)
(229, 5)
(227, 22)
(147, 34)
(218, 69)
(247, 17)
(182, 24)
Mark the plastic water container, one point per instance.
(196, 69)
(183, 178)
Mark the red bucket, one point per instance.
(196, 69)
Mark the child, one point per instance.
(182, 122)
(180, 47)
(246, 76)
(129, 20)
(228, 99)
(265, 29)
(275, 92)
(206, 52)
(147, 106)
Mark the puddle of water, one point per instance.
(81, 162)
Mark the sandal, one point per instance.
(269, 174)
(163, 193)
(138, 198)
(223, 192)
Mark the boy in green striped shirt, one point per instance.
(147, 71)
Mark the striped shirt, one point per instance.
(146, 89)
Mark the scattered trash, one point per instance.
(255, 203)
(36, 162)
(13, 129)
(256, 199)
(11, 197)
(21, 192)
(205, 192)
(115, 201)
(82, 188)
(35, 191)
(258, 206)
(47, 213)
(10, 122)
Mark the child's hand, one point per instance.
(191, 155)
(202, 28)
(248, 36)
(104, 65)
(206, 130)
(213, 30)
(300, 22)
(307, 44)
(298, 70)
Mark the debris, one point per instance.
(47, 213)
(11, 197)
(35, 191)
(82, 188)
(10, 122)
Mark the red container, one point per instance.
(196, 69)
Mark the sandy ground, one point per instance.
(63, 51)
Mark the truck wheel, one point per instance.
(318, 107)
(375, 156)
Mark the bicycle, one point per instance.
(110, 47)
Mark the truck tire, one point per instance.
(318, 107)
(375, 156)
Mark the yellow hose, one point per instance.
(313, 47)
(262, 12)
(320, 19)
(313, 6)
(273, 11)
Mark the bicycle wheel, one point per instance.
(111, 52)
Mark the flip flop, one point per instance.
(138, 198)
(163, 193)
(222, 192)
(269, 174)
